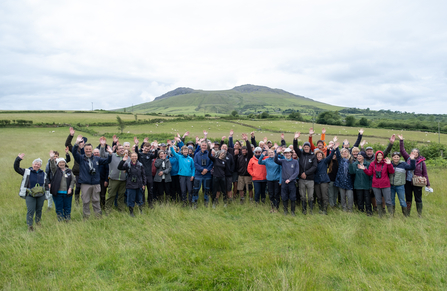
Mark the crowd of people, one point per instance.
(117, 176)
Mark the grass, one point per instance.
(234, 248)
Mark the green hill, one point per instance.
(244, 99)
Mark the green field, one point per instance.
(234, 248)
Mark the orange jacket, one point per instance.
(257, 172)
(312, 147)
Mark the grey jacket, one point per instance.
(166, 170)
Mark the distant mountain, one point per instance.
(244, 99)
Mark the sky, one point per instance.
(64, 55)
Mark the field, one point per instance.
(234, 248)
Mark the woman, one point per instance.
(343, 180)
(62, 187)
(362, 184)
(135, 181)
(258, 174)
(219, 181)
(322, 179)
(186, 171)
(163, 176)
(379, 169)
(273, 176)
(397, 180)
(34, 189)
(420, 170)
(289, 172)
(332, 189)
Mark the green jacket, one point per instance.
(362, 181)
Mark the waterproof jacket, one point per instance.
(136, 178)
(201, 162)
(146, 160)
(243, 160)
(272, 168)
(114, 173)
(174, 165)
(383, 181)
(343, 179)
(30, 179)
(361, 180)
(229, 165)
(257, 172)
(84, 168)
(400, 172)
(70, 148)
(219, 166)
(185, 164)
(420, 168)
(321, 175)
(166, 170)
(308, 162)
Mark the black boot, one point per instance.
(131, 211)
(141, 209)
(292, 207)
(419, 208)
(325, 210)
(380, 211)
(286, 206)
(304, 205)
(408, 208)
(311, 207)
(390, 210)
(404, 211)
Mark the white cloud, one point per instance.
(66, 54)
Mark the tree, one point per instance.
(329, 117)
(234, 113)
(121, 124)
(264, 115)
(136, 117)
(296, 116)
(363, 121)
(350, 120)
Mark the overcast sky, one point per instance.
(376, 54)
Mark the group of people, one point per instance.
(118, 175)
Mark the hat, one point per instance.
(190, 142)
(306, 144)
(369, 148)
(60, 160)
(190, 147)
(163, 144)
(258, 149)
(287, 150)
(396, 153)
(85, 139)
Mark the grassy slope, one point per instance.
(226, 101)
(240, 247)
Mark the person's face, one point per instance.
(216, 147)
(331, 143)
(271, 153)
(345, 154)
(244, 151)
(36, 166)
(120, 150)
(379, 157)
(369, 152)
(320, 145)
(146, 149)
(319, 156)
(163, 148)
(96, 152)
(203, 146)
(162, 155)
(237, 145)
(225, 147)
(61, 165)
(261, 144)
(56, 156)
(134, 158)
(258, 153)
(396, 159)
(189, 151)
(222, 155)
(88, 151)
(306, 149)
(294, 156)
(360, 158)
(185, 152)
(346, 146)
(269, 144)
(355, 154)
(415, 153)
(127, 147)
(288, 155)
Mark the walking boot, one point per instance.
(404, 211)
(408, 208)
(131, 212)
(141, 209)
(325, 210)
(206, 204)
(242, 200)
(380, 211)
(390, 210)
(419, 208)
(263, 200)
(304, 205)
(286, 205)
(30, 228)
(311, 207)
(292, 207)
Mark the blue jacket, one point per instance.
(201, 162)
(84, 169)
(185, 164)
(343, 179)
(321, 175)
(289, 168)
(273, 169)
(174, 165)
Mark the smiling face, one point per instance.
(360, 158)
(306, 149)
(134, 157)
(344, 153)
(271, 153)
(415, 153)
(162, 155)
(222, 155)
(379, 157)
(185, 151)
(88, 149)
(61, 165)
(396, 159)
(319, 156)
(288, 155)
(120, 150)
(36, 166)
(203, 147)
(224, 147)
(369, 152)
(320, 145)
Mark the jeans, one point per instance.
(347, 199)
(259, 190)
(274, 190)
(400, 190)
(134, 195)
(333, 194)
(62, 202)
(203, 183)
(385, 192)
(364, 200)
(34, 206)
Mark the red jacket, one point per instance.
(257, 172)
(384, 180)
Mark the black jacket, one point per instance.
(242, 161)
(219, 166)
(136, 177)
(308, 161)
(70, 148)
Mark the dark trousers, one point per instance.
(219, 185)
(34, 206)
(259, 190)
(274, 189)
(288, 191)
(175, 188)
(150, 190)
(163, 188)
(410, 189)
(102, 194)
(62, 202)
(186, 188)
(134, 195)
(78, 189)
(364, 200)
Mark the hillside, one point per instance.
(244, 99)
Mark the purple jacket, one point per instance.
(421, 168)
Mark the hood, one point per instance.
(375, 157)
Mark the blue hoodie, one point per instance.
(185, 164)
(273, 169)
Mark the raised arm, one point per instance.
(295, 145)
(359, 138)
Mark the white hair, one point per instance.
(37, 161)
(126, 143)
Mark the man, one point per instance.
(103, 179)
(202, 177)
(117, 178)
(146, 157)
(308, 165)
(89, 176)
(229, 169)
(75, 165)
(242, 159)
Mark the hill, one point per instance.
(244, 99)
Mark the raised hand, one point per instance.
(231, 133)
(336, 145)
(297, 135)
(109, 150)
(279, 149)
(244, 136)
(323, 131)
(197, 139)
(311, 131)
(177, 139)
(135, 140)
(401, 137)
(275, 146)
(67, 150)
(72, 131)
(115, 138)
(392, 138)
(361, 166)
(168, 141)
(125, 157)
(185, 134)
(252, 134)
(266, 147)
(79, 139)
(51, 155)
(224, 137)
(146, 139)
(335, 139)
(102, 141)
(178, 135)
(387, 160)
(361, 131)
(265, 139)
(282, 136)
(345, 142)
(412, 156)
(362, 143)
(21, 156)
(205, 133)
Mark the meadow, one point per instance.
(240, 247)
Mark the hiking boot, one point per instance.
(380, 211)
(131, 212)
(390, 210)
(311, 207)
(141, 209)
(292, 207)
(195, 205)
(206, 203)
(404, 211)
(325, 210)
(419, 208)
(285, 206)
(408, 208)
(304, 206)
(242, 200)
(30, 228)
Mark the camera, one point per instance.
(134, 179)
(378, 174)
(92, 171)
